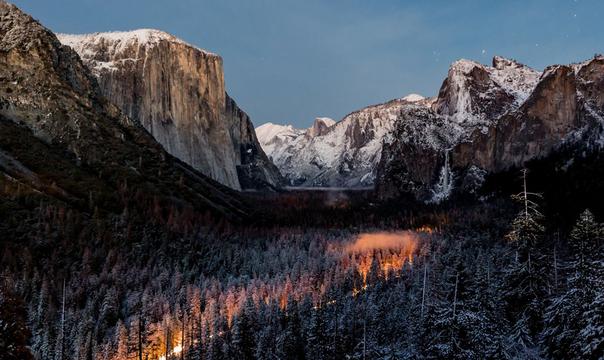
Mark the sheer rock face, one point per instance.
(490, 119)
(254, 169)
(320, 127)
(50, 100)
(542, 123)
(177, 92)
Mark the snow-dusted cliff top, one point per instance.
(121, 40)
(267, 132)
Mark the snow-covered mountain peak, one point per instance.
(177, 92)
(269, 131)
(413, 98)
(455, 98)
(325, 120)
(500, 63)
(474, 93)
(577, 67)
(515, 78)
(489, 119)
(343, 153)
(464, 66)
(320, 126)
(472, 97)
(273, 138)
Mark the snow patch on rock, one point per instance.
(413, 98)
(121, 40)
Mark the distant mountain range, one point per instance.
(485, 119)
(342, 154)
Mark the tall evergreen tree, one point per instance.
(242, 333)
(457, 324)
(485, 302)
(41, 323)
(317, 341)
(525, 279)
(292, 341)
(571, 320)
(592, 334)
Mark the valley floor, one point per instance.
(320, 275)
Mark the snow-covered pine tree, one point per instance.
(243, 342)
(457, 325)
(270, 325)
(317, 341)
(583, 243)
(526, 276)
(571, 319)
(41, 322)
(485, 301)
(592, 334)
(215, 334)
(292, 341)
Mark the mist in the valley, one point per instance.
(365, 242)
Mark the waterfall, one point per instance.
(444, 186)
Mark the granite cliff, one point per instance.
(486, 120)
(177, 92)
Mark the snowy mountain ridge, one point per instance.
(337, 154)
(348, 154)
(473, 94)
(485, 119)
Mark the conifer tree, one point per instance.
(592, 333)
(456, 323)
(121, 341)
(486, 303)
(292, 342)
(572, 318)
(525, 278)
(317, 343)
(242, 333)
